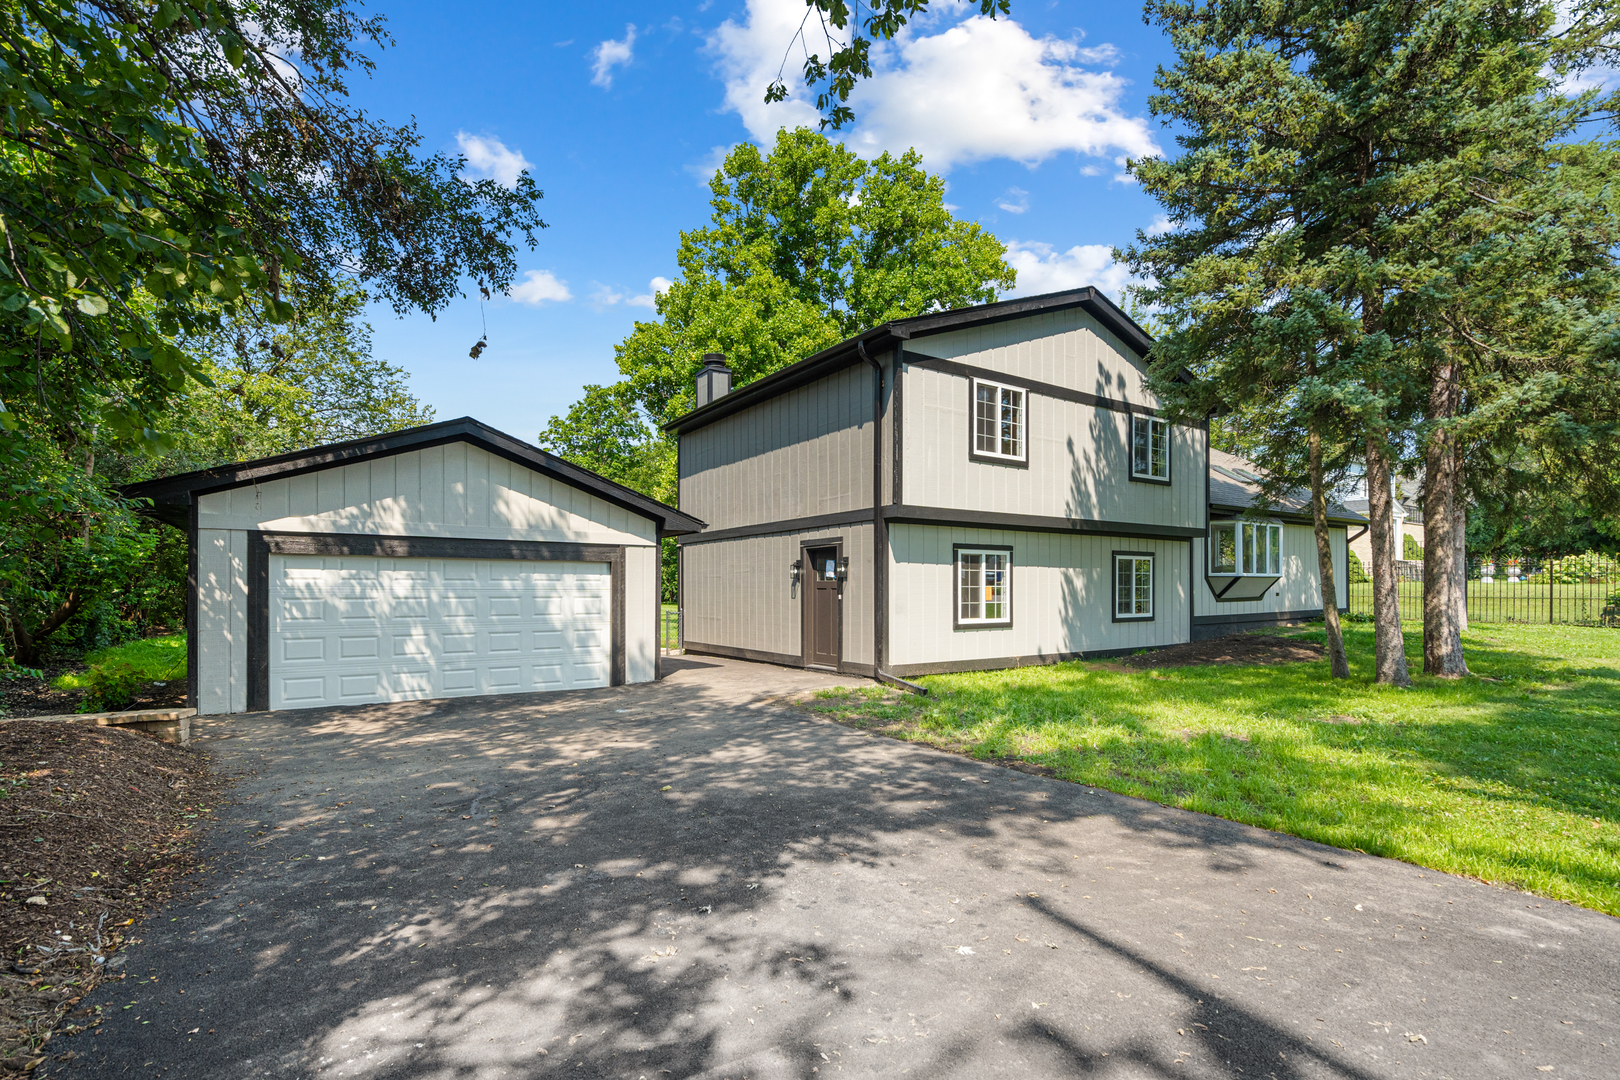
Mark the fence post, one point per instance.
(1552, 566)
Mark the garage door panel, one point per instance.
(301, 649)
(349, 630)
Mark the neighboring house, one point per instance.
(441, 561)
(1407, 511)
(973, 489)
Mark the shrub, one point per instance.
(113, 685)
(1410, 548)
(1358, 573)
(1576, 569)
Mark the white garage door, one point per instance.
(345, 630)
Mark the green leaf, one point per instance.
(93, 305)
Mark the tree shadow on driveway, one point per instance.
(688, 879)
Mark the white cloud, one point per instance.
(492, 158)
(539, 286)
(1016, 201)
(1043, 269)
(1160, 225)
(705, 169)
(650, 297)
(604, 296)
(611, 54)
(982, 88)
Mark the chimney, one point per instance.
(714, 381)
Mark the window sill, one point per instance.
(1137, 478)
(996, 459)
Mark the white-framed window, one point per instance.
(1245, 548)
(1150, 448)
(998, 421)
(1133, 585)
(983, 586)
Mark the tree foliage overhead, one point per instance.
(827, 25)
(164, 164)
(806, 246)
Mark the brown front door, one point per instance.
(821, 607)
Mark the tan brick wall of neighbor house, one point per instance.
(1412, 527)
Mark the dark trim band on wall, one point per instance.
(733, 652)
(897, 400)
(980, 519)
(1259, 617)
(1061, 393)
(946, 667)
(261, 545)
(1213, 626)
(191, 609)
(776, 528)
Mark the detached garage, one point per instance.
(442, 561)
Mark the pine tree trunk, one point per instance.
(1461, 531)
(1442, 636)
(1389, 646)
(1324, 561)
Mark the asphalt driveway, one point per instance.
(686, 880)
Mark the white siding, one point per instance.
(1079, 460)
(1299, 588)
(640, 614)
(221, 620)
(737, 593)
(1062, 594)
(452, 490)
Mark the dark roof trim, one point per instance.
(1336, 515)
(885, 337)
(172, 496)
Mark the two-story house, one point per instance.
(972, 489)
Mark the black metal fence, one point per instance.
(669, 628)
(1574, 589)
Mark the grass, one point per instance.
(155, 659)
(1510, 778)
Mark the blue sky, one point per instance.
(621, 109)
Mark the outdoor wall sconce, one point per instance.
(793, 586)
(842, 573)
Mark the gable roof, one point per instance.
(888, 335)
(172, 496)
(1234, 484)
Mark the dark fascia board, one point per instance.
(1335, 516)
(172, 495)
(883, 338)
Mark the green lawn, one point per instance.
(1513, 777)
(155, 659)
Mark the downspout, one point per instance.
(880, 532)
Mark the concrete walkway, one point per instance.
(685, 880)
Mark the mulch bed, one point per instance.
(1231, 649)
(96, 828)
(22, 696)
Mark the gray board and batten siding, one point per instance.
(802, 454)
(1082, 386)
(1061, 599)
(739, 598)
